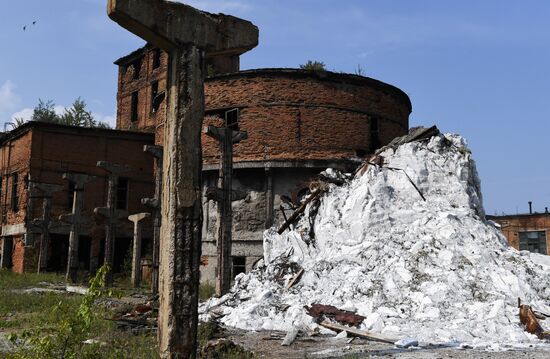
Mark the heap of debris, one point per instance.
(404, 245)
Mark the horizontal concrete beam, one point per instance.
(169, 24)
(14, 229)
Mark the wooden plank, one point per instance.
(297, 212)
(295, 278)
(356, 332)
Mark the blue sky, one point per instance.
(478, 68)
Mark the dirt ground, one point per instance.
(268, 345)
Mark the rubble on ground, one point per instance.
(404, 244)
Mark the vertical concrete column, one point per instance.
(136, 252)
(224, 194)
(44, 223)
(154, 204)
(186, 34)
(180, 244)
(269, 198)
(76, 220)
(111, 213)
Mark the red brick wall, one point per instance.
(289, 114)
(147, 119)
(296, 115)
(15, 158)
(47, 151)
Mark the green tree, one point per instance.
(313, 66)
(44, 112)
(76, 115)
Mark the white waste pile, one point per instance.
(431, 269)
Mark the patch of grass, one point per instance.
(207, 331)
(10, 280)
(19, 303)
(6, 324)
(206, 290)
(53, 325)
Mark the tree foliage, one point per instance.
(45, 112)
(313, 66)
(76, 115)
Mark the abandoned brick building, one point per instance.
(38, 152)
(298, 123)
(528, 231)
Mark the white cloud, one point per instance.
(110, 119)
(9, 101)
(25, 114)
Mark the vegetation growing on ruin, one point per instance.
(314, 66)
(76, 115)
(43, 324)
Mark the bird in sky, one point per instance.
(34, 23)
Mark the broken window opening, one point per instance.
(154, 94)
(232, 119)
(156, 58)
(239, 266)
(122, 194)
(137, 68)
(533, 241)
(14, 203)
(134, 109)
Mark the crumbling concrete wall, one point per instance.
(251, 216)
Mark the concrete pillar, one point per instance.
(227, 137)
(187, 34)
(44, 223)
(111, 213)
(154, 204)
(77, 220)
(136, 252)
(269, 198)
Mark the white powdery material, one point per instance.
(431, 269)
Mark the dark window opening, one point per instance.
(14, 196)
(70, 195)
(122, 194)
(533, 241)
(134, 110)
(156, 58)
(137, 68)
(154, 94)
(239, 265)
(232, 119)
